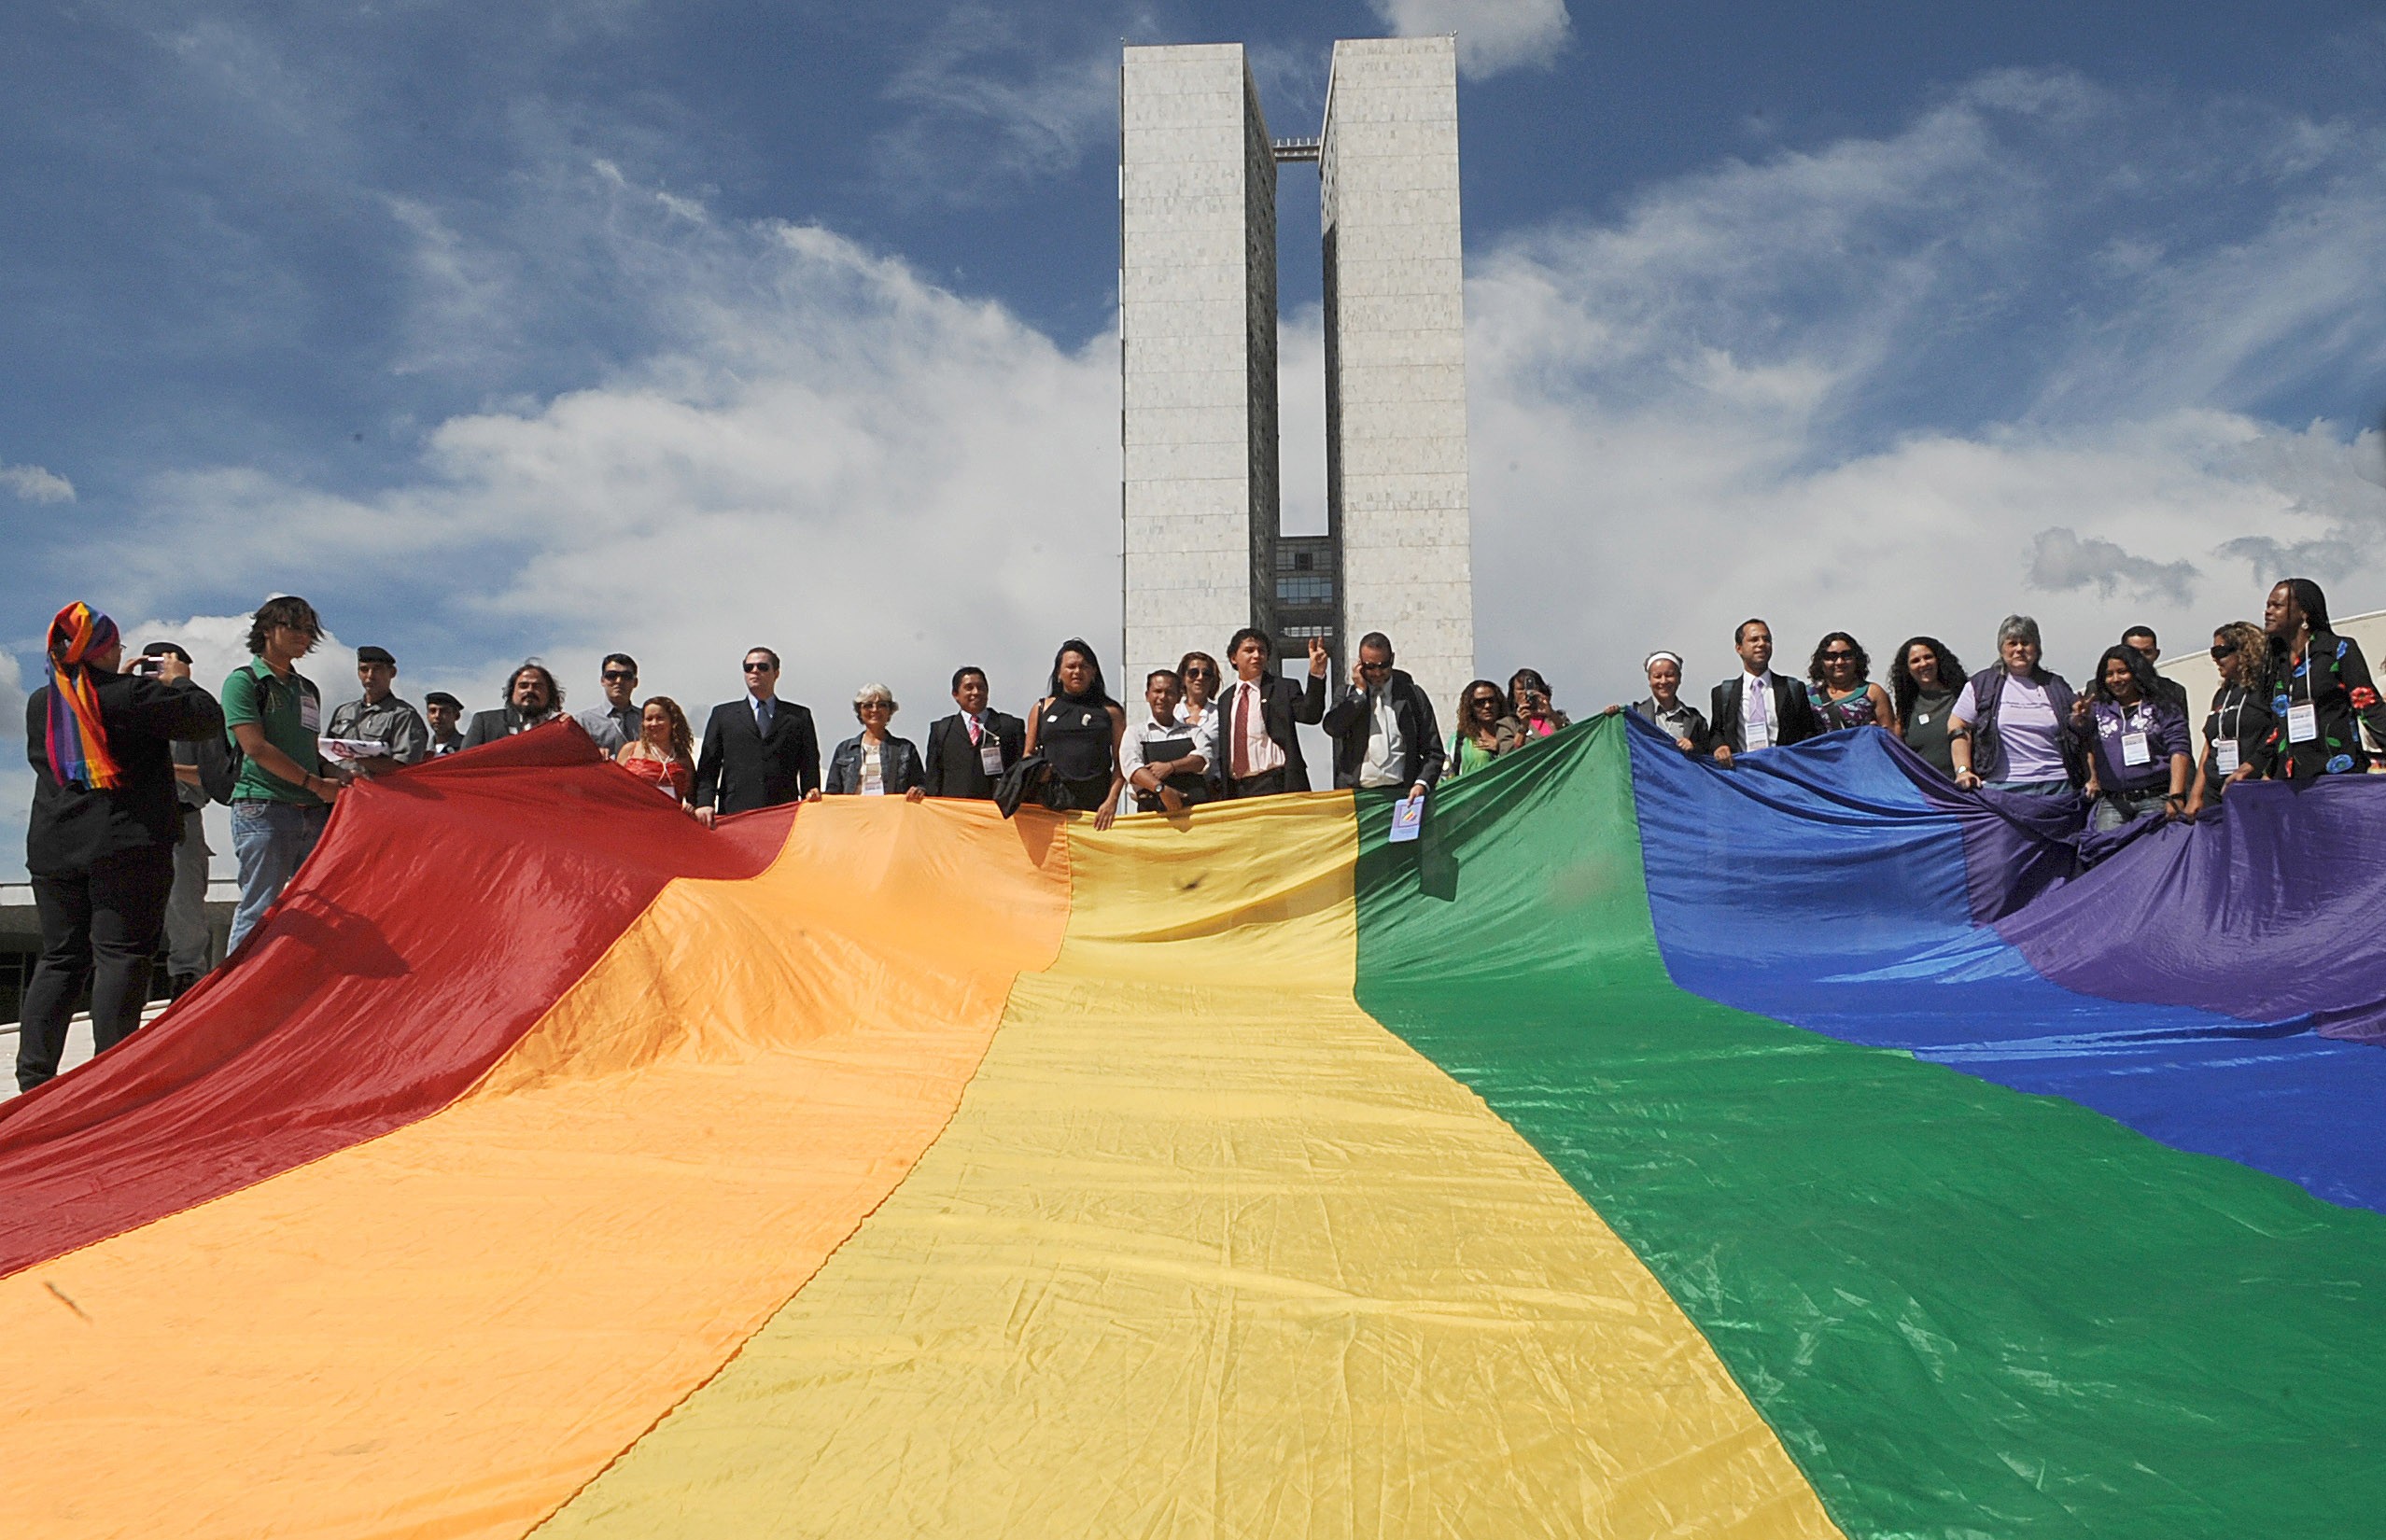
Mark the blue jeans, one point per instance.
(271, 839)
(2115, 808)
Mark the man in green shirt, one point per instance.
(284, 793)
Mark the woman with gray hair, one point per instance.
(2008, 727)
(874, 763)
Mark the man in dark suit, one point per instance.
(1759, 708)
(967, 752)
(532, 699)
(1382, 728)
(2166, 688)
(1258, 745)
(758, 750)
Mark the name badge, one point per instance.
(1759, 735)
(310, 712)
(2303, 722)
(2225, 757)
(2134, 750)
(990, 752)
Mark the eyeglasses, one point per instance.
(2220, 651)
(876, 706)
(1839, 657)
(614, 676)
(761, 669)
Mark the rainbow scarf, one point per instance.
(76, 740)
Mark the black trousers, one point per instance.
(1268, 783)
(100, 925)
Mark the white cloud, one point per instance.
(880, 477)
(994, 99)
(1909, 385)
(37, 485)
(1492, 35)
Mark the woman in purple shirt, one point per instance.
(2140, 756)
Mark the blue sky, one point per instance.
(502, 329)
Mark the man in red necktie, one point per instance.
(1257, 713)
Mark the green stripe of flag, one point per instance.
(1966, 1310)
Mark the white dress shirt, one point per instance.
(1385, 745)
(1757, 729)
(1263, 754)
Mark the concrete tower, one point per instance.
(1395, 355)
(1197, 301)
(1196, 330)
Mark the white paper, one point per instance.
(343, 749)
(2303, 722)
(1408, 819)
(2134, 750)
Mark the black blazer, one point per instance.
(949, 765)
(1282, 703)
(74, 828)
(1792, 714)
(1350, 725)
(499, 723)
(739, 770)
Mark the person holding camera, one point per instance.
(1528, 704)
(100, 843)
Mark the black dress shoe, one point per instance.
(181, 985)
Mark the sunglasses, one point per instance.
(615, 675)
(1375, 668)
(1200, 674)
(761, 669)
(1839, 657)
(2223, 651)
(1492, 701)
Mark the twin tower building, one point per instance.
(1197, 299)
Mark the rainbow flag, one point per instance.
(1647, 1149)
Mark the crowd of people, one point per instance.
(126, 757)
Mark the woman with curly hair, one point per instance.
(663, 752)
(1841, 687)
(2237, 733)
(1486, 730)
(2319, 683)
(1924, 682)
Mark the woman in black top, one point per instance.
(2319, 683)
(2237, 733)
(1078, 728)
(100, 843)
(1925, 678)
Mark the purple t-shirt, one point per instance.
(2026, 729)
(2166, 732)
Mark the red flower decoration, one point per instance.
(2364, 697)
